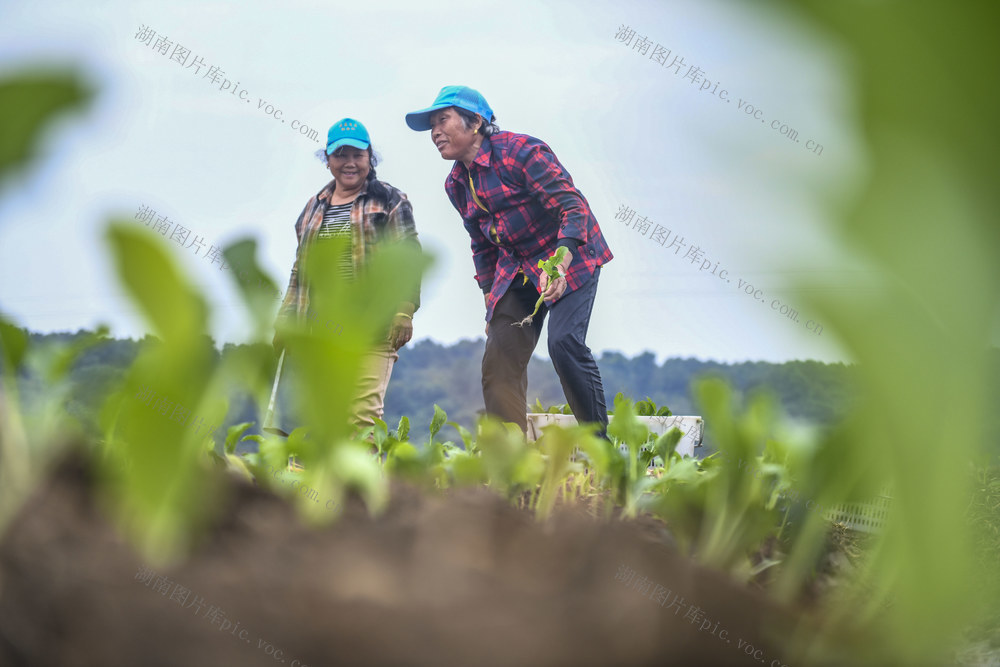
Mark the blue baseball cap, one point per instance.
(347, 132)
(462, 97)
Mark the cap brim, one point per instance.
(421, 120)
(355, 143)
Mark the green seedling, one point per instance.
(551, 267)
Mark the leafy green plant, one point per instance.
(551, 268)
(229, 459)
(647, 408)
(156, 469)
(919, 336)
(31, 99)
(722, 508)
(154, 465)
(561, 409)
(644, 408)
(625, 428)
(35, 430)
(325, 382)
(556, 446)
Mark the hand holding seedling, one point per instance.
(553, 281)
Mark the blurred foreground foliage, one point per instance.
(31, 100)
(926, 222)
(920, 337)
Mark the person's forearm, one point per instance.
(407, 308)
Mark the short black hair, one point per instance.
(487, 128)
(373, 157)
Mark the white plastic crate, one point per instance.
(692, 427)
(866, 517)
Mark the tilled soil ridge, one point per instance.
(457, 579)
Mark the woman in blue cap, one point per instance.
(518, 204)
(358, 207)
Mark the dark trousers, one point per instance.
(509, 348)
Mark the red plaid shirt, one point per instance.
(531, 203)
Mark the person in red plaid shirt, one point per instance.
(518, 204)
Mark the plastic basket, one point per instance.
(865, 517)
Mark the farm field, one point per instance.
(491, 551)
(787, 513)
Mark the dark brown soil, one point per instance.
(457, 579)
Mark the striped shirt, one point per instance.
(372, 222)
(337, 225)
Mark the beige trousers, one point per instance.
(376, 368)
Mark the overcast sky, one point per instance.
(633, 133)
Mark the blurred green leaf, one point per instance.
(557, 444)
(526, 470)
(666, 444)
(467, 440)
(625, 427)
(14, 341)
(927, 198)
(259, 292)
(30, 100)
(404, 461)
(439, 419)
(162, 500)
(233, 435)
(380, 433)
(69, 354)
(346, 318)
(403, 430)
(468, 469)
(174, 308)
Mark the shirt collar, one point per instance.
(458, 171)
(327, 192)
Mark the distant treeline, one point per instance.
(449, 375)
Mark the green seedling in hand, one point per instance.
(551, 267)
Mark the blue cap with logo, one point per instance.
(462, 97)
(347, 132)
